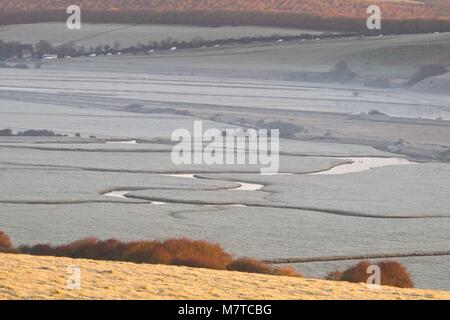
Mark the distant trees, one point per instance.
(15, 49)
(340, 73)
(6, 133)
(66, 49)
(12, 48)
(28, 133)
(36, 133)
(44, 47)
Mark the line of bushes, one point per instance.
(28, 133)
(178, 252)
(198, 254)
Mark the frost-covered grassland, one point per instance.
(53, 189)
(128, 35)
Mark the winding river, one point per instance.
(357, 164)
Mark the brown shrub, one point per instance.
(194, 253)
(84, 248)
(183, 252)
(334, 276)
(180, 252)
(5, 242)
(145, 252)
(250, 265)
(108, 250)
(159, 255)
(393, 274)
(37, 250)
(286, 272)
(357, 273)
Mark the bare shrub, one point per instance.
(5, 242)
(357, 273)
(180, 252)
(393, 274)
(37, 250)
(250, 265)
(334, 275)
(286, 272)
(197, 254)
(184, 252)
(145, 252)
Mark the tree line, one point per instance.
(14, 49)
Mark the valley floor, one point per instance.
(53, 189)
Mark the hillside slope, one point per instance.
(402, 9)
(400, 16)
(29, 277)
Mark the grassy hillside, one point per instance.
(337, 14)
(27, 277)
(394, 9)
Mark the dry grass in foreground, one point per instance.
(35, 277)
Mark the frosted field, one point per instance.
(120, 125)
(245, 231)
(102, 34)
(331, 114)
(150, 162)
(53, 189)
(164, 90)
(50, 203)
(392, 57)
(287, 147)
